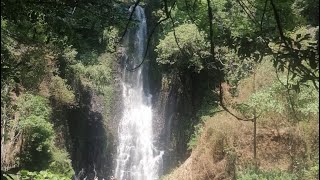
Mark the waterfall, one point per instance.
(137, 157)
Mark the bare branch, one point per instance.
(264, 11)
(175, 36)
(225, 108)
(210, 17)
(149, 39)
(218, 64)
(277, 18)
(246, 9)
(130, 18)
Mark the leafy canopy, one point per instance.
(184, 47)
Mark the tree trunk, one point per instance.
(254, 124)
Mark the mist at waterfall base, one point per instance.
(137, 158)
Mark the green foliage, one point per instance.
(236, 68)
(39, 151)
(277, 100)
(22, 61)
(36, 66)
(41, 40)
(61, 163)
(69, 54)
(209, 105)
(189, 52)
(289, 17)
(250, 174)
(37, 130)
(195, 136)
(58, 19)
(26, 175)
(110, 35)
(308, 100)
(55, 26)
(89, 58)
(248, 26)
(77, 32)
(301, 54)
(29, 104)
(230, 18)
(308, 9)
(100, 77)
(312, 173)
(61, 91)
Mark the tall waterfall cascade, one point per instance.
(137, 157)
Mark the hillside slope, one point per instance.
(224, 149)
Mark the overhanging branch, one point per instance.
(150, 35)
(130, 19)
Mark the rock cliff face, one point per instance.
(89, 136)
(176, 103)
(176, 99)
(93, 129)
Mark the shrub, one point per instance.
(276, 99)
(39, 136)
(308, 100)
(89, 58)
(61, 163)
(236, 68)
(312, 173)
(26, 175)
(37, 131)
(36, 66)
(265, 175)
(195, 136)
(192, 44)
(99, 77)
(39, 151)
(110, 37)
(29, 104)
(60, 91)
(69, 54)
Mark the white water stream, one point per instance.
(137, 157)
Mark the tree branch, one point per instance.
(225, 108)
(246, 9)
(210, 17)
(218, 64)
(264, 11)
(277, 18)
(149, 40)
(130, 18)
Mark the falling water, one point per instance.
(137, 157)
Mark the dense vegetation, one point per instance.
(233, 40)
(48, 47)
